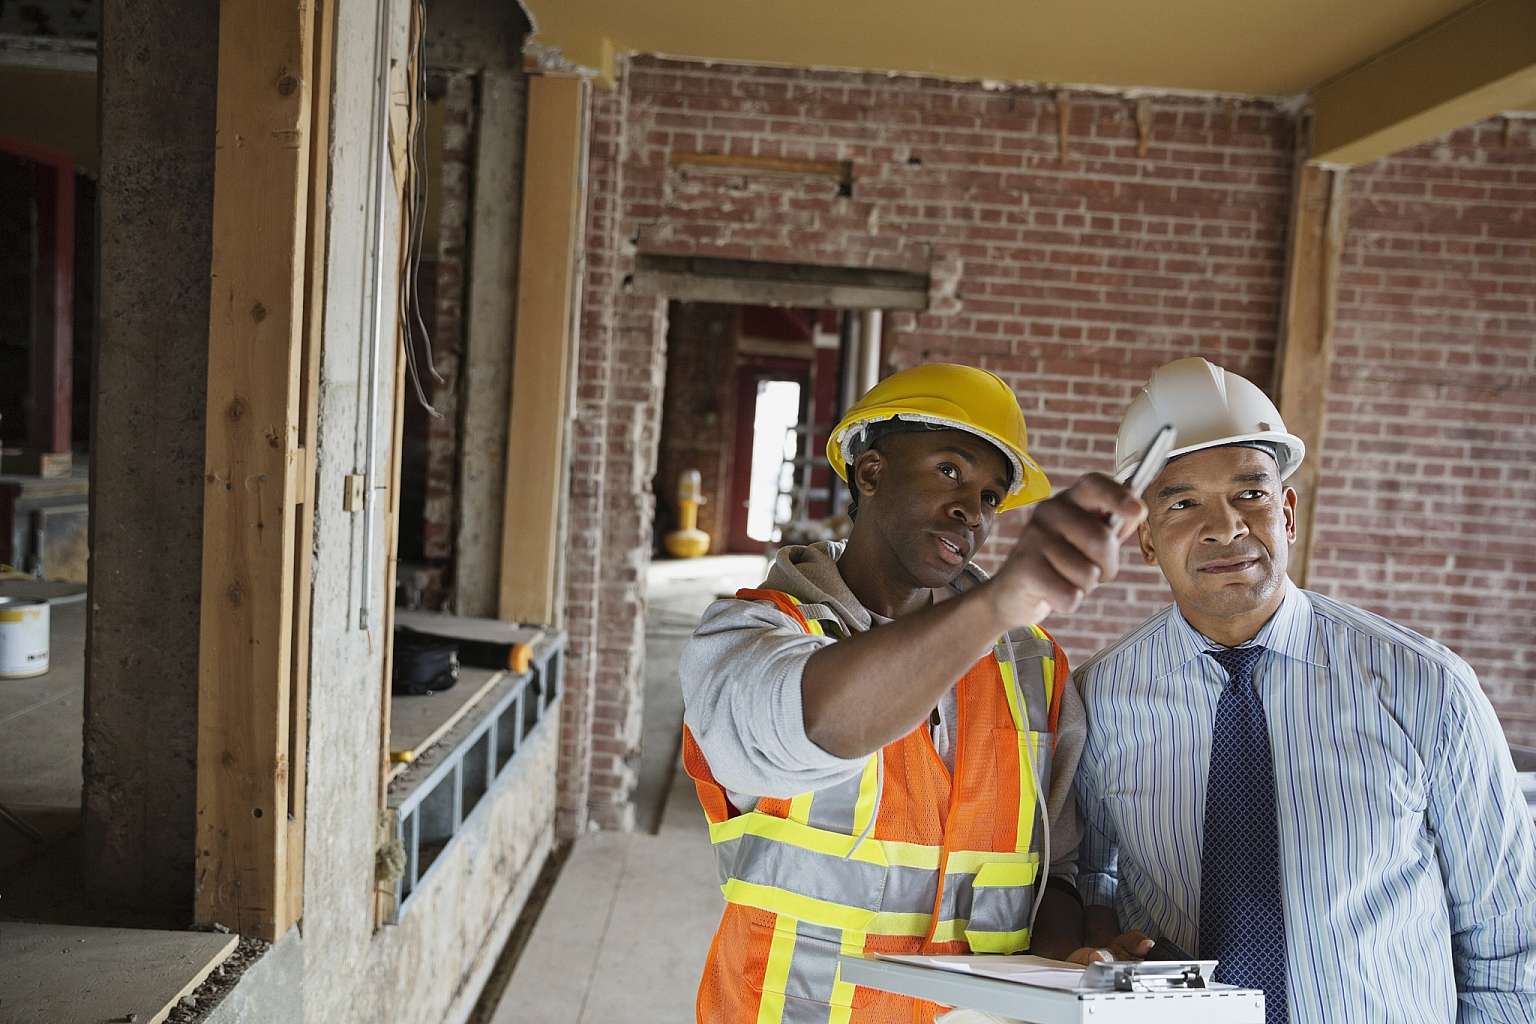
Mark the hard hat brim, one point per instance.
(1029, 485)
(1290, 450)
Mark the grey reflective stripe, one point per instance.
(832, 809)
(804, 1011)
(1042, 767)
(1026, 645)
(1001, 908)
(851, 883)
(1026, 651)
(812, 972)
(760, 861)
(957, 897)
(909, 890)
(816, 612)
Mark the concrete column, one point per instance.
(495, 226)
(158, 80)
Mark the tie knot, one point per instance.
(1238, 662)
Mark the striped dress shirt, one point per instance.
(1407, 854)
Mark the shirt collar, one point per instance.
(1289, 633)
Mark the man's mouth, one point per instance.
(951, 549)
(1223, 566)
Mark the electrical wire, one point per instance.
(412, 323)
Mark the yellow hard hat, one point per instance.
(955, 397)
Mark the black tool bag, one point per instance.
(423, 663)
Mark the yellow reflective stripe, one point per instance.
(998, 942)
(1047, 666)
(776, 977)
(949, 931)
(811, 625)
(800, 808)
(1028, 743)
(869, 794)
(997, 874)
(970, 862)
(1011, 689)
(822, 912)
(842, 991)
(884, 852)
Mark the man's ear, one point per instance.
(1288, 504)
(1144, 540)
(866, 472)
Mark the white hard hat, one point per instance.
(1208, 407)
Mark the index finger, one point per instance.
(1097, 493)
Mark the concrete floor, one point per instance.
(629, 922)
(40, 726)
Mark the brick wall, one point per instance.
(589, 442)
(1073, 277)
(1429, 461)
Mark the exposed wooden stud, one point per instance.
(316, 238)
(1143, 126)
(1063, 123)
(553, 200)
(408, 113)
(261, 216)
(1318, 222)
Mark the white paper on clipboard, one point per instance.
(1025, 970)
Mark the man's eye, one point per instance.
(949, 470)
(992, 499)
(1250, 495)
(1181, 504)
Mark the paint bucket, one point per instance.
(23, 637)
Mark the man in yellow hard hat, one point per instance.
(881, 736)
(1317, 797)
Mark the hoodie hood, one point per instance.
(809, 573)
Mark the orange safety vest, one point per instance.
(903, 858)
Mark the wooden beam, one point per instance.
(1472, 65)
(1318, 221)
(254, 465)
(553, 203)
(405, 116)
(840, 171)
(315, 241)
(53, 321)
(754, 283)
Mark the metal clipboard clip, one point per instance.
(1147, 975)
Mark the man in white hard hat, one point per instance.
(1317, 797)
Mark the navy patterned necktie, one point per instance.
(1242, 917)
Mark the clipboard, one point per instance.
(1151, 1002)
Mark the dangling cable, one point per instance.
(411, 320)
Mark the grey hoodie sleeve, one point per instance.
(741, 674)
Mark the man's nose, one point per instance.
(966, 508)
(1224, 525)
